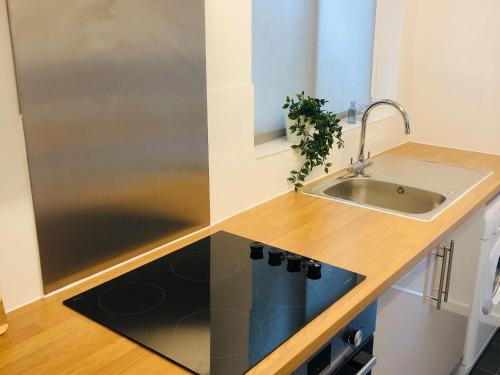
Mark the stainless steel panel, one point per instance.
(113, 96)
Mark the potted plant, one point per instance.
(317, 131)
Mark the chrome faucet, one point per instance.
(360, 165)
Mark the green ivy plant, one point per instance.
(319, 130)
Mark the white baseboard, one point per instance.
(463, 309)
(457, 307)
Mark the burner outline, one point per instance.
(143, 311)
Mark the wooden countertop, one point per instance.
(45, 337)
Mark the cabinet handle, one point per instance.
(450, 250)
(445, 275)
(441, 278)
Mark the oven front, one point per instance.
(349, 352)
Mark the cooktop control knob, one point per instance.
(275, 257)
(313, 270)
(293, 263)
(256, 250)
(354, 337)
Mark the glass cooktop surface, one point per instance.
(219, 305)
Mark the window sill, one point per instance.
(279, 145)
(276, 146)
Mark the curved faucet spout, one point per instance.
(364, 120)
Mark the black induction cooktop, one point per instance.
(219, 305)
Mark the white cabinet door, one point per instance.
(412, 335)
(461, 264)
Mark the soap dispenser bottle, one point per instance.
(351, 113)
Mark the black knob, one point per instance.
(256, 250)
(354, 337)
(313, 270)
(293, 263)
(275, 257)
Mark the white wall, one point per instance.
(20, 280)
(456, 75)
(237, 179)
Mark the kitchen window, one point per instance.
(322, 47)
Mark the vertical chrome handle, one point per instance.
(441, 279)
(451, 250)
(445, 275)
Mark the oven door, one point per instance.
(360, 363)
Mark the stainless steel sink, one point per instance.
(386, 194)
(405, 186)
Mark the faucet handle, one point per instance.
(352, 161)
(369, 154)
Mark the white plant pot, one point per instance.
(293, 137)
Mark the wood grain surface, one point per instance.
(45, 337)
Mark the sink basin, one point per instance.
(386, 195)
(405, 186)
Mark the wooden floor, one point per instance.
(48, 338)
